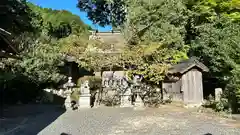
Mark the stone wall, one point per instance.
(110, 82)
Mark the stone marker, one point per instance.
(218, 93)
(84, 99)
(138, 105)
(67, 102)
(125, 99)
(96, 102)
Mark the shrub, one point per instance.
(17, 87)
(218, 106)
(75, 95)
(232, 91)
(111, 100)
(170, 99)
(221, 105)
(150, 95)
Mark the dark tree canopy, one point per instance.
(104, 12)
(16, 16)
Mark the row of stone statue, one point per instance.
(85, 95)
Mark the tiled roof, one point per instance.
(186, 65)
(112, 38)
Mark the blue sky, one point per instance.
(69, 5)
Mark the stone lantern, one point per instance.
(68, 91)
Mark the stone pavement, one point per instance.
(166, 120)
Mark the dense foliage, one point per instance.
(151, 61)
(59, 23)
(210, 28)
(104, 12)
(156, 21)
(17, 16)
(210, 10)
(36, 32)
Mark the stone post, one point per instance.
(218, 93)
(84, 99)
(125, 99)
(138, 103)
(96, 99)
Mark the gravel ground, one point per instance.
(126, 121)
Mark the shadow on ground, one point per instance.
(28, 119)
(64, 134)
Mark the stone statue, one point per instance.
(68, 86)
(218, 94)
(84, 99)
(85, 89)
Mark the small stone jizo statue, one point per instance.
(84, 99)
(85, 89)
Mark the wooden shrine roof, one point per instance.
(186, 65)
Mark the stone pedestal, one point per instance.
(84, 101)
(67, 103)
(138, 103)
(125, 98)
(97, 98)
(125, 102)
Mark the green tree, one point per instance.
(156, 21)
(152, 61)
(218, 47)
(210, 10)
(88, 54)
(104, 12)
(40, 61)
(142, 20)
(37, 33)
(59, 23)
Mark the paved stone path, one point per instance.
(127, 121)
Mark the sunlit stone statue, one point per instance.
(126, 98)
(84, 99)
(218, 94)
